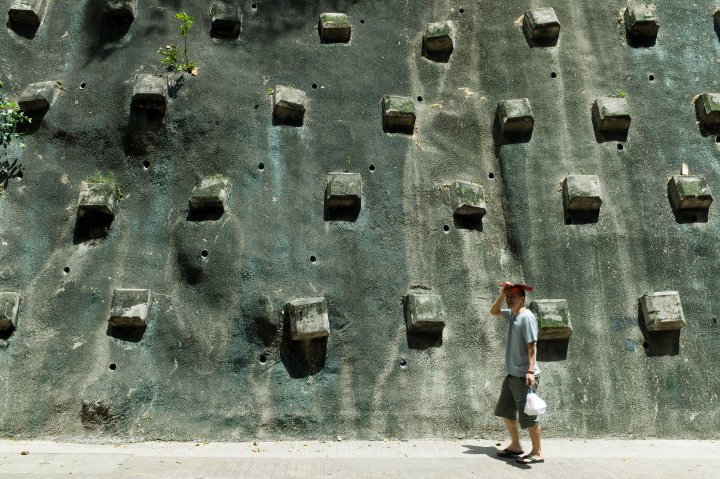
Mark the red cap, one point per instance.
(524, 287)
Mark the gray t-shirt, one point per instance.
(522, 330)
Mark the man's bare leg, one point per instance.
(512, 427)
(534, 433)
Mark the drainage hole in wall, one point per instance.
(314, 86)
(113, 367)
(419, 98)
(257, 106)
(313, 259)
(253, 6)
(371, 168)
(620, 147)
(204, 253)
(261, 166)
(553, 75)
(462, 10)
(362, 21)
(146, 164)
(651, 78)
(491, 175)
(714, 320)
(19, 175)
(262, 359)
(446, 228)
(82, 86)
(66, 269)
(403, 363)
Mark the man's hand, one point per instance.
(529, 379)
(495, 308)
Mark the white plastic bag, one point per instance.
(534, 405)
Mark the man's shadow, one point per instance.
(491, 452)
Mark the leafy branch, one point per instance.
(171, 54)
(11, 117)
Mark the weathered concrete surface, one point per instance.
(465, 458)
(196, 373)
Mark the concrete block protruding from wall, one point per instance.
(343, 195)
(118, 12)
(707, 111)
(641, 21)
(690, 192)
(541, 25)
(39, 97)
(289, 105)
(553, 318)
(398, 114)
(424, 312)
(150, 92)
(97, 199)
(515, 118)
(26, 12)
(582, 193)
(662, 311)
(9, 305)
(611, 116)
(224, 20)
(130, 308)
(210, 196)
(308, 318)
(334, 28)
(582, 199)
(467, 200)
(439, 39)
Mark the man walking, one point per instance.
(522, 372)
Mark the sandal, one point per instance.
(508, 453)
(529, 460)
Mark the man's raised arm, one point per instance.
(495, 308)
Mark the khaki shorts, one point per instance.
(511, 403)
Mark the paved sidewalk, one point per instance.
(358, 459)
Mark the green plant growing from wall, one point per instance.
(11, 117)
(171, 54)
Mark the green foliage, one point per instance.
(11, 117)
(621, 94)
(171, 54)
(109, 177)
(170, 57)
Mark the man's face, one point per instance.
(514, 299)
